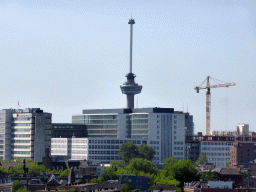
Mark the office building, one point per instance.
(24, 133)
(162, 125)
(95, 150)
(217, 146)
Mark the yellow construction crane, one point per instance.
(208, 98)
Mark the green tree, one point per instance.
(16, 185)
(3, 171)
(182, 171)
(146, 152)
(201, 159)
(137, 165)
(135, 190)
(210, 176)
(109, 174)
(128, 151)
(96, 180)
(34, 169)
(170, 160)
(64, 173)
(22, 190)
(15, 171)
(245, 173)
(127, 186)
(227, 164)
(117, 164)
(21, 160)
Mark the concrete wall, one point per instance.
(122, 125)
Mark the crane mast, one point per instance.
(208, 98)
(208, 107)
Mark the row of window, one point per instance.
(104, 157)
(21, 124)
(154, 142)
(104, 152)
(58, 146)
(78, 146)
(21, 130)
(20, 118)
(20, 141)
(86, 117)
(20, 152)
(59, 140)
(217, 143)
(21, 135)
(79, 152)
(217, 154)
(216, 148)
(20, 147)
(178, 142)
(178, 153)
(59, 151)
(217, 159)
(116, 141)
(103, 146)
(178, 148)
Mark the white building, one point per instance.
(24, 133)
(161, 126)
(216, 152)
(96, 150)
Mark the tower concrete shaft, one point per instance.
(130, 88)
(131, 35)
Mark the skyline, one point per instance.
(66, 56)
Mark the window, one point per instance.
(158, 132)
(175, 121)
(175, 132)
(175, 127)
(157, 137)
(175, 137)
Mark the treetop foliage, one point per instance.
(175, 173)
(210, 176)
(130, 150)
(201, 159)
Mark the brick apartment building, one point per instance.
(242, 154)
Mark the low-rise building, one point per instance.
(96, 150)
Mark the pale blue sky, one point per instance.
(67, 55)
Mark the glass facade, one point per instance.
(98, 125)
(139, 126)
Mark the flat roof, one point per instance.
(136, 110)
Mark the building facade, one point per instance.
(68, 130)
(96, 150)
(158, 125)
(242, 154)
(24, 133)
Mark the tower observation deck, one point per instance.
(130, 88)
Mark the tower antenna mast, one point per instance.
(130, 88)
